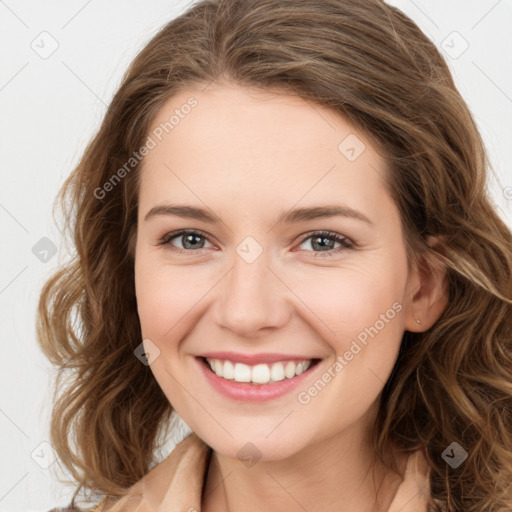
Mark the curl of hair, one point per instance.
(373, 65)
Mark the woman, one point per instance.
(284, 235)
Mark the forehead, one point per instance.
(231, 142)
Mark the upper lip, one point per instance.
(253, 359)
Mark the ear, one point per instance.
(427, 290)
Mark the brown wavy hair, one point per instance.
(372, 64)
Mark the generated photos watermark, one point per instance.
(152, 141)
(305, 397)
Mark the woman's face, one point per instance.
(259, 286)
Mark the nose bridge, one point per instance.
(252, 296)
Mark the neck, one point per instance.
(336, 474)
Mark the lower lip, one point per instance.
(246, 392)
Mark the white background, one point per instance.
(51, 107)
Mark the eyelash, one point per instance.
(343, 240)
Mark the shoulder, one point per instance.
(187, 462)
(180, 475)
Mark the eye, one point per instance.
(325, 241)
(194, 240)
(191, 240)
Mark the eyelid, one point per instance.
(174, 234)
(323, 232)
(165, 240)
(345, 241)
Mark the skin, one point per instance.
(247, 156)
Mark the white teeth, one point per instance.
(219, 367)
(289, 369)
(242, 373)
(277, 372)
(228, 371)
(260, 373)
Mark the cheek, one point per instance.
(363, 313)
(347, 300)
(359, 315)
(166, 296)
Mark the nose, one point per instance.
(253, 299)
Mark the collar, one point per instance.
(176, 483)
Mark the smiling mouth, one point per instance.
(258, 374)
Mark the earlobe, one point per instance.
(428, 298)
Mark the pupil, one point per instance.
(322, 240)
(188, 240)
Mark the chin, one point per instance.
(253, 446)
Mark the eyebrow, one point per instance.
(287, 217)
